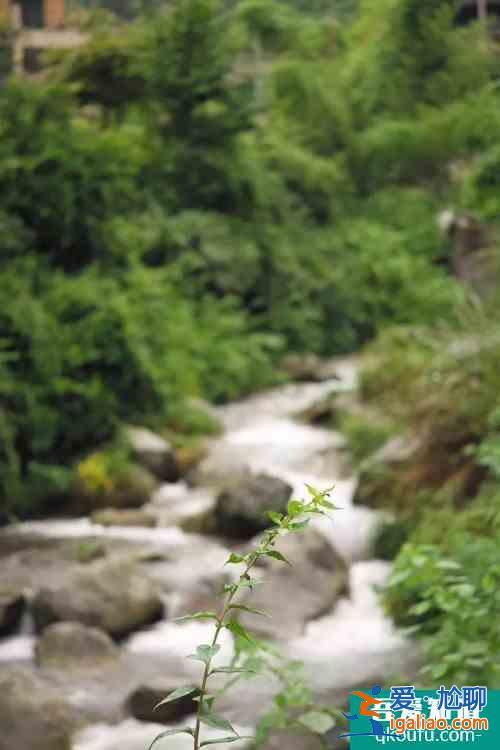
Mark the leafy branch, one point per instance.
(297, 517)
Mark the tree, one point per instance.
(482, 9)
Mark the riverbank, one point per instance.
(339, 633)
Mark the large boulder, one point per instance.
(33, 713)
(472, 261)
(189, 508)
(154, 453)
(114, 595)
(142, 701)
(73, 645)
(308, 368)
(12, 604)
(132, 488)
(241, 506)
(294, 594)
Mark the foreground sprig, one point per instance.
(297, 518)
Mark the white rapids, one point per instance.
(356, 643)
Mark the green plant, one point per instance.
(297, 518)
(364, 436)
(293, 707)
(451, 601)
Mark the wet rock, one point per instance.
(189, 456)
(323, 411)
(179, 505)
(154, 453)
(34, 714)
(130, 489)
(69, 645)
(114, 595)
(117, 517)
(379, 475)
(396, 451)
(12, 605)
(292, 740)
(472, 260)
(308, 367)
(142, 701)
(193, 577)
(293, 595)
(241, 507)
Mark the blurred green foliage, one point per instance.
(442, 387)
(190, 194)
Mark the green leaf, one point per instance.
(318, 722)
(179, 693)
(312, 491)
(216, 721)
(299, 525)
(277, 556)
(245, 608)
(170, 732)
(420, 608)
(489, 583)
(234, 559)
(448, 565)
(205, 653)
(295, 507)
(197, 616)
(238, 630)
(207, 698)
(274, 517)
(223, 740)
(327, 504)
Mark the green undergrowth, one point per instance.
(193, 194)
(443, 498)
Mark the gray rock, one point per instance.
(34, 714)
(12, 604)
(192, 509)
(397, 450)
(154, 453)
(241, 507)
(379, 474)
(114, 595)
(308, 368)
(292, 740)
(293, 595)
(144, 698)
(72, 645)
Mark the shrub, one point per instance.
(92, 353)
(452, 602)
(61, 176)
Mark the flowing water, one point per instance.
(355, 644)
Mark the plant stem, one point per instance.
(206, 671)
(284, 523)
